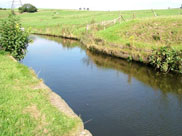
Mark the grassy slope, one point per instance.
(146, 33)
(133, 38)
(63, 22)
(24, 110)
(73, 22)
(140, 33)
(136, 36)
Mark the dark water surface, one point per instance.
(117, 97)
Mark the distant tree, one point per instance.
(88, 9)
(2, 8)
(80, 8)
(181, 6)
(27, 8)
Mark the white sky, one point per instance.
(100, 4)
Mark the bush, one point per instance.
(13, 38)
(27, 8)
(167, 59)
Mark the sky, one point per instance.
(99, 4)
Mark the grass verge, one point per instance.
(25, 106)
(137, 38)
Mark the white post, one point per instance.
(154, 13)
(87, 27)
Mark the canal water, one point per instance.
(113, 97)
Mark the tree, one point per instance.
(27, 8)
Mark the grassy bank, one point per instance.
(26, 106)
(73, 22)
(146, 33)
(134, 37)
(138, 38)
(157, 41)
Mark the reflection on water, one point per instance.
(116, 96)
(67, 43)
(158, 81)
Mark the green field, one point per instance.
(141, 32)
(74, 22)
(136, 34)
(25, 108)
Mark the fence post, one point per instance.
(134, 16)
(87, 27)
(120, 17)
(154, 13)
(123, 18)
(114, 21)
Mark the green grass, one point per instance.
(4, 13)
(73, 22)
(135, 37)
(146, 33)
(25, 110)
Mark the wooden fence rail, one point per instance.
(105, 23)
(116, 20)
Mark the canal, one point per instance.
(114, 97)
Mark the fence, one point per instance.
(124, 16)
(106, 23)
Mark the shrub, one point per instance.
(167, 59)
(13, 38)
(27, 8)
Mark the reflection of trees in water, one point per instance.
(87, 61)
(165, 82)
(68, 44)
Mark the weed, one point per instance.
(167, 59)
